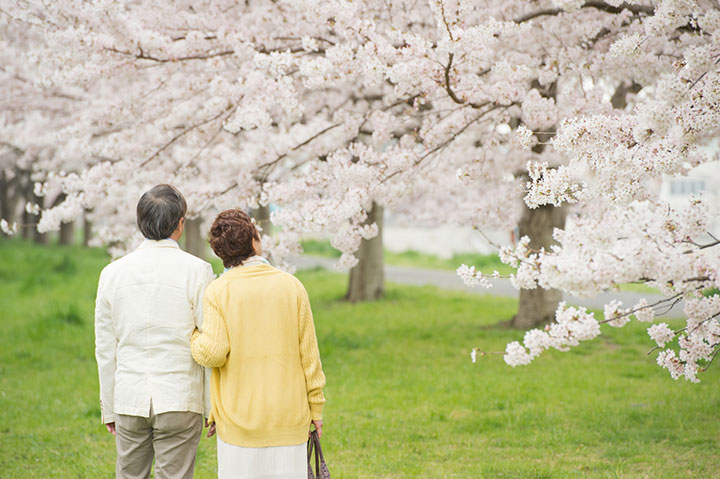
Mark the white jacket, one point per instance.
(148, 305)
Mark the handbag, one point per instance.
(321, 469)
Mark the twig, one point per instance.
(450, 91)
(711, 359)
(180, 135)
(280, 157)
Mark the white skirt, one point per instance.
(277, 462)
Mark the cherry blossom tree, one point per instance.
(439, 109)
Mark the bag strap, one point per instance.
(318, 449)
(310, 445)
(318, 452)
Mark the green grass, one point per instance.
(404, 400)
(483, 262)
(487, 263)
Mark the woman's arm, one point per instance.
(310, 358)
(210, 346)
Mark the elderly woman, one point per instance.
(258, 334)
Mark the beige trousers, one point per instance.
(171, 438)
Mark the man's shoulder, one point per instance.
(116, 264)
(215, 286)
(191, 260)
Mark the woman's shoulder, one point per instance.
(288, 279)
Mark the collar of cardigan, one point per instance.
(251, 261)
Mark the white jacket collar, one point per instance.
(164, 243)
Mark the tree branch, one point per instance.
(450, 91)
(280, 157)
(602, 6)
(203, 56)
(180, 135)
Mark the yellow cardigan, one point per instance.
(258, 334)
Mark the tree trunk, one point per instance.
(67, 233)
(194, 242)
(262, 219)
(87, 231)
(9, 196)
(537, 306)
(367, 278)
(6, 212)
(38, 237)
(30, 221)
(26, 227)
(67, 230)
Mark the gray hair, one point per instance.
(159, 211)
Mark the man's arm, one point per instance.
(105, 353)
(205, 278)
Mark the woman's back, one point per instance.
(268, 375)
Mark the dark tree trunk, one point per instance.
(39, 238)
(194, 241)
(262, 218)
(9, 196)
(67, 233)
(30, 221)
(27, 227)
(87, 231)
(367, 278)
(6, 211)
(67, 230)
(537, 306)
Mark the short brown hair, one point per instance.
(231, 237)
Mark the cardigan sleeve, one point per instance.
(211, 346)
(310, 358)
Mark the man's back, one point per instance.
(152, 393)
(151, 301)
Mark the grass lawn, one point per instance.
(487, 263)
(404, 400)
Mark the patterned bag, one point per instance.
(321, 469)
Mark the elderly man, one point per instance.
(152, 393)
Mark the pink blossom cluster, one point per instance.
(572, 326)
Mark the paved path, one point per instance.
(501, 287)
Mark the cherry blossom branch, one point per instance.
(675, 333)
(441, 145)
(602, 6)
(717, 350)
(58, 94)
(283, 155)
(450, 91)
(145, 56)
(181, 134)
(702, 76)
(295, 148)
(204, 147)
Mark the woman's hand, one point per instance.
(318, 427)
(211, 428)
